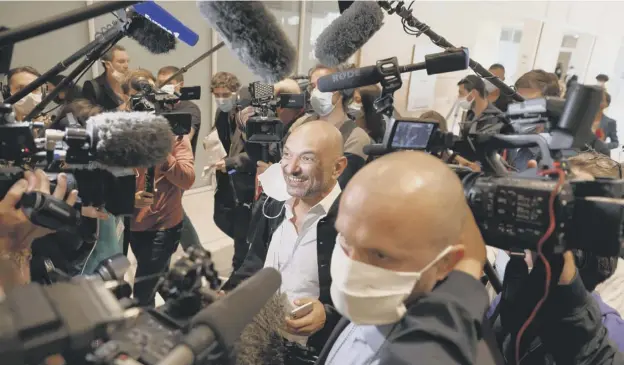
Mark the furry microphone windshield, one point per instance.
(149, 35)
(130, 139)
(253, 34)
(348, 33)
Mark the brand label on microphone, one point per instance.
(349, 74)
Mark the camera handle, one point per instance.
(391, 81)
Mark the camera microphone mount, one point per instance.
(410, 21)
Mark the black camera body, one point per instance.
(152, 100)
(514, 211)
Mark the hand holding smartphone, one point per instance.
(301, 311)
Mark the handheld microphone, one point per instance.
(348, 33)
(447, 61)
(130, 139)
(253, 34)
(218, 327)
(166, 21)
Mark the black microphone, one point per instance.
(218, 327)
(348, 33)
(447, 61)
(375, 149)
(251, 31)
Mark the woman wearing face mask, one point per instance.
(332, 107)
(18, 78)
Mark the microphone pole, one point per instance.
(91, 58)
(410, 20)
(193, 63)
(110, 34)
(60, 21)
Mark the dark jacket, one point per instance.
(235, 191)
(490, 116)
(573, 330)
(442, 327)
(609, 126)
(99, 92)
(259, 237)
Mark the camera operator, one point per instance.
(105, 90)
(235, 192)
(157, 222)
(480, 113)
(17, 79)
(332, 107)
(16, 231)
(297, 236)
(500, 100)
(189, 234)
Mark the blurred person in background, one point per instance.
(601, 80)
(366, 117)
(495, 95)
(605, 127)
(156, 225)
(235, 173)
(69, 93)
(480, 113)
(105, 90)
(189, 234)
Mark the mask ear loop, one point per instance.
(264, 213)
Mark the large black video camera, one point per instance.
(150, 99)
(517, 211)
(70, 152)
(264, 127)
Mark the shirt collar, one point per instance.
(321, 207)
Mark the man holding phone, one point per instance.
(297, 237)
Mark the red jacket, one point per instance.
(172, 178)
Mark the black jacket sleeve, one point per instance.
(354, 164)
(88, 91)
(443, 327)
(241, 163)
(257, 237)
(612, 134)
(573, 332)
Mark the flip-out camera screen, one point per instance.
(411, 135)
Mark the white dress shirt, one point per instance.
(294, 254)
(359, 345)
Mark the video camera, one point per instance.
(69, 152)
(154, 100)
(264, 127)
(84, 321)
(517, 211)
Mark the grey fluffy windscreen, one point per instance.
(131, 139)
(261, 341)
(348, 33)
(254, 35)
(150, 36)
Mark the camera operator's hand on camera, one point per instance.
(93, 212)
(143, 199)
(244, 115)
(474, 248)
(262, 166)
(16, 230)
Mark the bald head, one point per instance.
(400, 211)
(313, 159)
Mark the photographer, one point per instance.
(16, 231)
(480, 113)
(157, 222)
(235, 192)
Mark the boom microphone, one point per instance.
(348, 33)
(447, 61)
(223, 321)
(253, 34)
(130, 139)
(150, 36)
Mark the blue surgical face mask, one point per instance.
(225, 104)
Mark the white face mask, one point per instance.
(27, 103)
(225, 104)
(464, 103)
(489, 86)
(322, 102)
(169, 89)
(370, 295)
(273, 183)
(355, 110)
